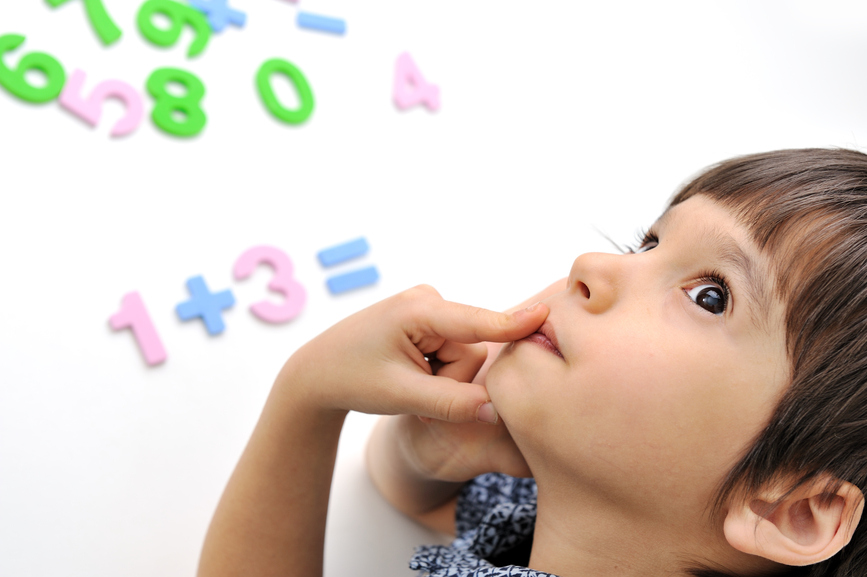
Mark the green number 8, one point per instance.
(302, 87)
(14, 80)
(169, 108)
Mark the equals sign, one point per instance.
(351, 280)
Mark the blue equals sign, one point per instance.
(353, 279)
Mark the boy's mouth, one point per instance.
(545, 338)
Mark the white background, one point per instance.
(559, 120)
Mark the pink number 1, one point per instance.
(90, 110)
(283, 283)
(133, 315)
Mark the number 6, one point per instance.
(14, 80)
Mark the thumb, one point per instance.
(449, 400)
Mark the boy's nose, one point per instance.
(596, 278)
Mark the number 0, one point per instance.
(298, 80)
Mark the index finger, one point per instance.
(468, 324)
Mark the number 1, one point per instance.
(134, 316)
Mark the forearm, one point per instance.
(398, 475)
(271, 517)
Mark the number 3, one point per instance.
(283, 283)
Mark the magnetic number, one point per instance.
(90, 110)
(283, 282)
(102, 23)
(178, 15)
(299, 81)
(410, 87)
(133, 315)
(15, 81)
(177, 115)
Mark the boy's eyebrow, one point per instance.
(753, 287)
(755, 290)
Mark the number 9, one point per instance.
(15, 81)
(178, 15)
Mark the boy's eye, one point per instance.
(709, 297)
(646, 246)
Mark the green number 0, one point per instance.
(266, 91)
(14, 80)
(177, 115)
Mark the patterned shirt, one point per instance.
(495, 519)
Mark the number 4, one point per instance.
(410, 87)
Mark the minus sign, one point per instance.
(321, 23)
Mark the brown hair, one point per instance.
(808, 209)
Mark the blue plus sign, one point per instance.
(205, 304)
(219, 14)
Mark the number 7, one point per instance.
(102, 23)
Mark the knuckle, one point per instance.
(425, 289)
(446, 408)
(417, 296)
(478, 352)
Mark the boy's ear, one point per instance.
(805, 527)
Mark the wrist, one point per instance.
(301, 383)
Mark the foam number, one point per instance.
(178, 16)
(410, 87)
(177, 115)
(15, 80)
(102, 23)
(134, 316)
(283, 282)
(298, 80)
(90, 110)
(219, 13)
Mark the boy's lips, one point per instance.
(545, 338)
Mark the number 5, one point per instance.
(90, 110)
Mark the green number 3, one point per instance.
(177, 115)
(14, 80)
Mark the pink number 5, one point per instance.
(283, 283)
(90, 110)
(133, 315)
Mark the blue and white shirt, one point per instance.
(495, 519)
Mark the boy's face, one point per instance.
(663, 377)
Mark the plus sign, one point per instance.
(219, 14)
(205, 304)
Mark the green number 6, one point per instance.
(15, 81)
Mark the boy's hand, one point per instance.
(458, 452)
(374, 361)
